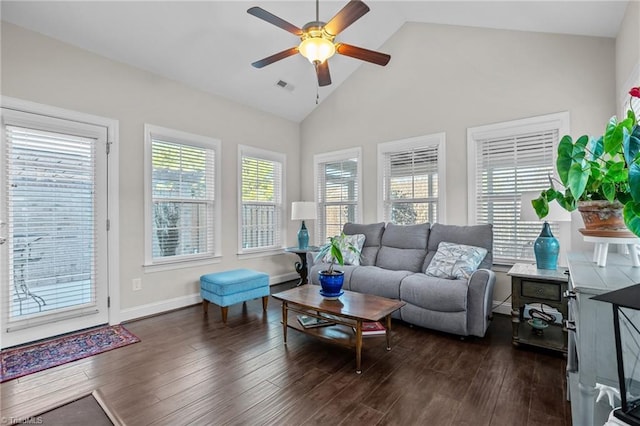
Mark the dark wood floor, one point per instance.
(192, 371)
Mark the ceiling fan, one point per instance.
(317, 39)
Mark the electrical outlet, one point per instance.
(137, 284)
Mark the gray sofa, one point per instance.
(392, 264)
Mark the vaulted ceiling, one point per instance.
(210, 45)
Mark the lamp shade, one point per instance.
(317, 49)
(303, 210)
(528, 214)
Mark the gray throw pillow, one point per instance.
(455, 261)
(349, 257)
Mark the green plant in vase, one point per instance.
(605, 168)
(331, 280)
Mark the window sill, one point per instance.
(260, 253)
(168, 266)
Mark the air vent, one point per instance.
(285, 85)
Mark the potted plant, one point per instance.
(600, 176)
(331, 280)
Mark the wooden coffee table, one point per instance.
(348, 313)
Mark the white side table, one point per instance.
(602, 248)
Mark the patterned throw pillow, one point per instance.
(350, 258)
(455, 261)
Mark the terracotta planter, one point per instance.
(603, 217)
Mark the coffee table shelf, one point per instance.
(350, 311)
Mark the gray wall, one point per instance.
(446, 79)
(440, 79)
(40, 69)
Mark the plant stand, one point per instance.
(601, 248)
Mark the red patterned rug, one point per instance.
(23, 360)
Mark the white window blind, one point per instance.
(183, 199)
(411, 186)
(51, 208)
(261, 197)
(337, 193)
(505, 166)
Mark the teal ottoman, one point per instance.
(235, 286)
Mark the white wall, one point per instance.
(445, 79)
(628, 49)
(40, 69)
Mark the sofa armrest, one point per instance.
(480, 301)
(311, 258)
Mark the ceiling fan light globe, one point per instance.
(317, 49)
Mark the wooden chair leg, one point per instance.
(205, 306)
(265, 300)
(225, 310)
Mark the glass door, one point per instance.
(54, 256)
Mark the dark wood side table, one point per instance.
(530, 287)
(301, 266)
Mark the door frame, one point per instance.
(113, 199)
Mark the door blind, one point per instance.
(505, 168)
(261, 203)
(183, 199)
(51, 216)
(338, 194)
(411, 186)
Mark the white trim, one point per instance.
(256, 253)
(113, 186)
(343, 154)
(560, 121)
(176, 264)
(182, 138)
(155, 308)
(438, 139)
(276, 157)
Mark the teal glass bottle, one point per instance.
(546, 249)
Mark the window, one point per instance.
(411, 180)
(261, 199)
(337, 182)
(505, 160)
(182, 203)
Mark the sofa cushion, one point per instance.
(374, 280)
(435, 294)
(404, 247)
(348, 256)
(475, 235)
(373, 238)
(455, 261)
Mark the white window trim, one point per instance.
(559, 121)
(340, 155)
(113, 184)
(436, 139)
(269, 156)
(183, 138)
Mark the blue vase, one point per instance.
(303, 237)
(546, 249)
(331, 283)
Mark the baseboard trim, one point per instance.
(156, 308)
(501, 307)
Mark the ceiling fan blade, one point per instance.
(324, 77)
(259, 12)
(274, 58)
(349, 14)
(363, 54)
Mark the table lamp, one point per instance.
(303, 210)
(546, 247)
